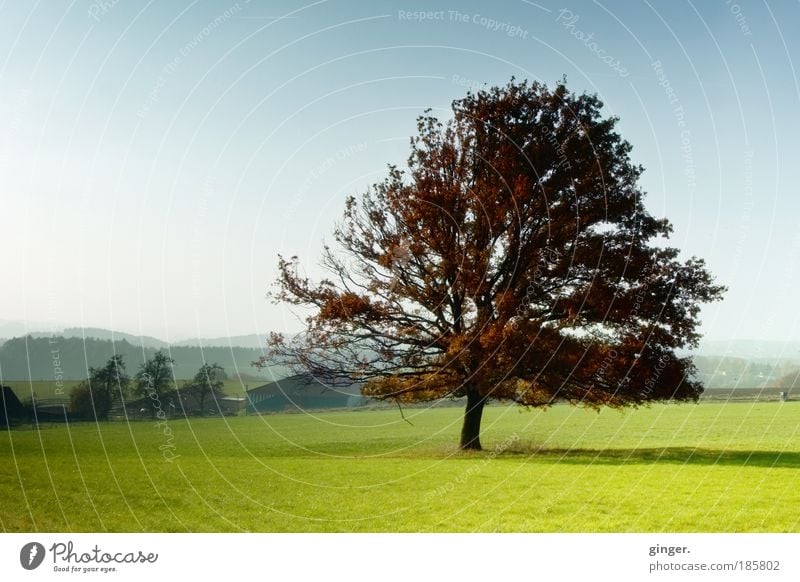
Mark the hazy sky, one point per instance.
(155, 158)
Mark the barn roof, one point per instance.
(304, 384)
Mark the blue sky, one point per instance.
(155, 158)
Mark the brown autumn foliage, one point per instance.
(512, 260)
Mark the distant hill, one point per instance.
(732, 373)
(751, 349)
(736, 348)
(726, 364)
(42, 358)
(11, 329)
(242, 341)
(107, 334)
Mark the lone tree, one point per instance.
(154, 378)
(94, 397)
(209, 381)
(513, 260)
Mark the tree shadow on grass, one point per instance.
(679, 455)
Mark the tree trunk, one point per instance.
(471, 430)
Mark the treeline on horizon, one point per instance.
(59, 358)
(68, 359)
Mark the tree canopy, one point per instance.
(93, 398)
(513, 259)
(154, 378)
(208, 381)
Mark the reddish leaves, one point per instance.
(514, 259)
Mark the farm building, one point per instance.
(51, 410)
(302, 392)
(12, 409)
(179, 403)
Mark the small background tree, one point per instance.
(95, 397)
(81, 402)
(208, 382)
(154, 378)
(514, 260)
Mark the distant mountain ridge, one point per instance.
(739, 348)
(751, 349)
(11, 329)
(720, 363)
(243, 341)
(107, 334)
(55, 357)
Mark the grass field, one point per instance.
(708, 467)
(42, 389)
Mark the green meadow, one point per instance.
(711, 467)
(41, 389)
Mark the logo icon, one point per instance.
(31, 555)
